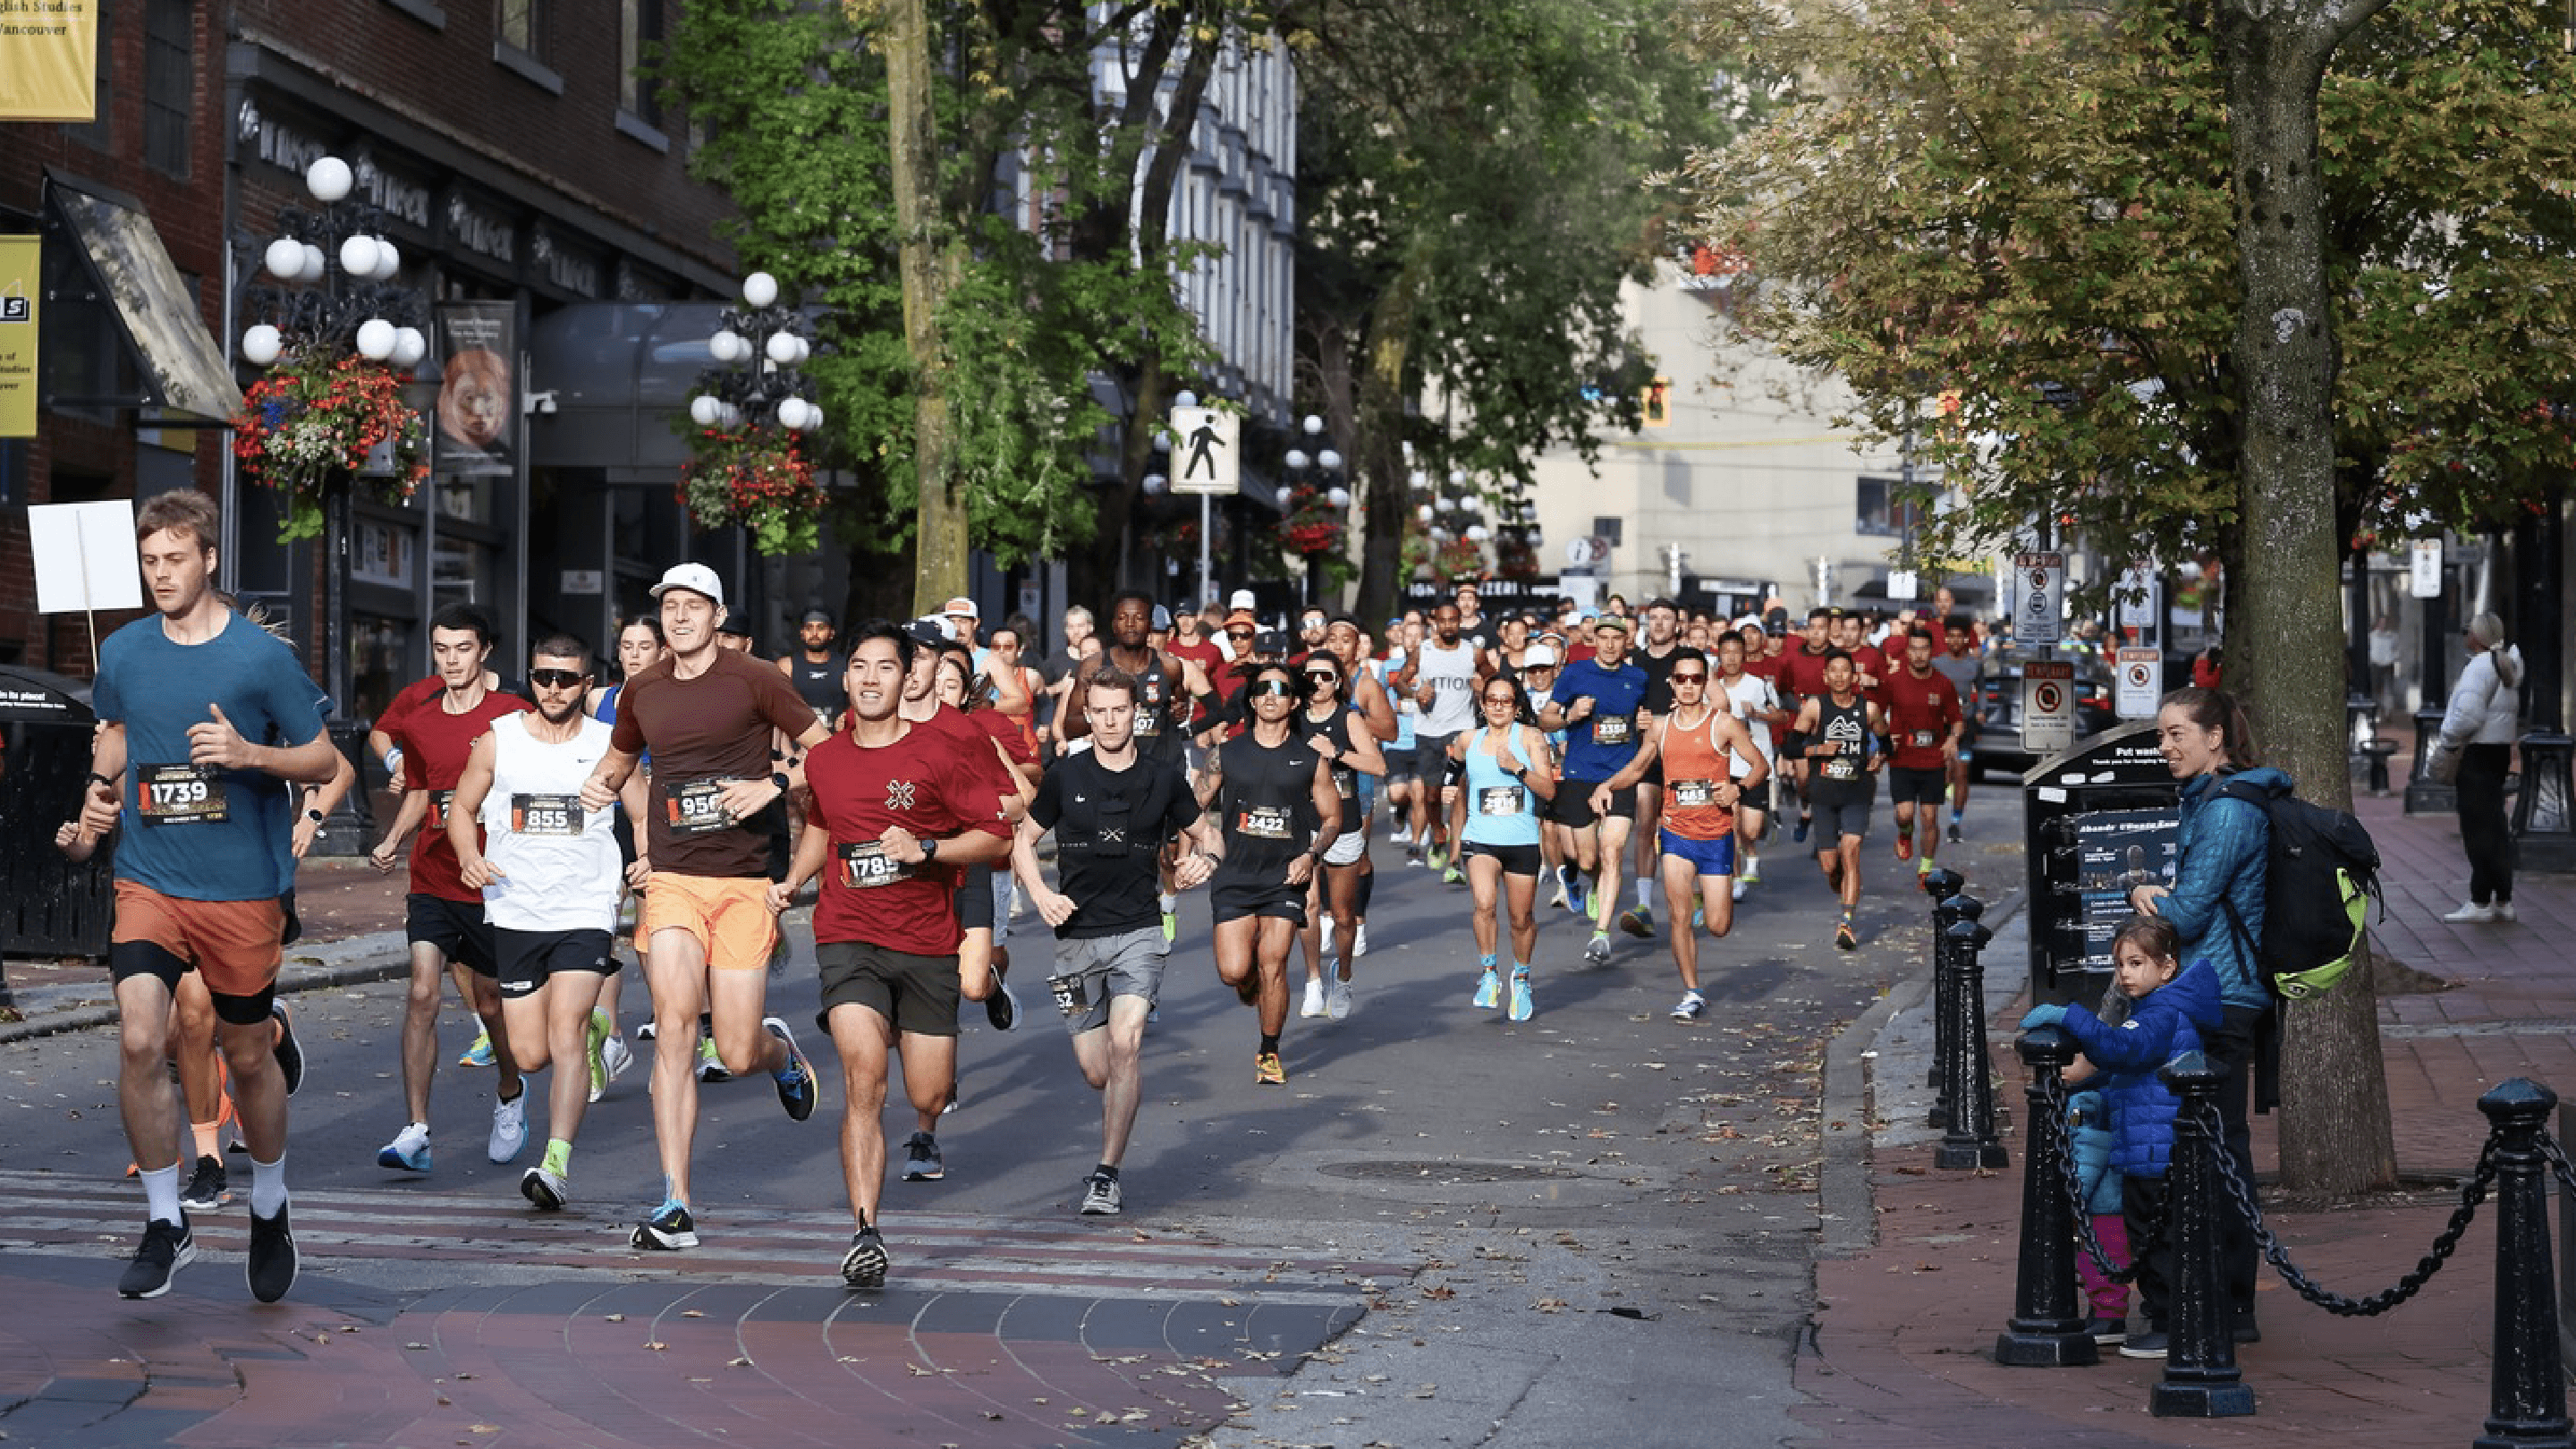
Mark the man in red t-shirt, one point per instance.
(1924, 721)
(901, 807)
(443, 917)
(1190, 641)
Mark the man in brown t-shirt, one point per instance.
(707, 716)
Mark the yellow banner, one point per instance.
(20, 257)
(48, 60)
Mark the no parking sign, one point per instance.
(2134, 690)
(2043, 595)
(2047, 706)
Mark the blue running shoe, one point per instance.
(1489, 989)
(479, 1054)
(1522, 1006)
(796, 1079)
(408, 1152)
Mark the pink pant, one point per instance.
(2109, 1299)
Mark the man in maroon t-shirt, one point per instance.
(443, 917)
(902, 806)
(1801, 678)
(1924, 722)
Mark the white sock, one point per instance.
(161, 1193)
(1168, 903)
(1643, 903)
(268, 1186)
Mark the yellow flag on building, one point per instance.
(48, 60)
(20, 258)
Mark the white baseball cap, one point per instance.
(697, 578)
(1537, 656)
(1241, 599)
(960, 607)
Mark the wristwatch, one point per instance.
(779, 779)
(313, 815)
(929, 849)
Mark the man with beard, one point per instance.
(443, 916)
(1440, 675)
(215, 724)
(901, 805)
(1957, 662)
(815, 667)
(1597, 702)
(1277, 812)
(1924, 720)
(548, 870)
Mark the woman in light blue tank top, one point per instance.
(1508, 776)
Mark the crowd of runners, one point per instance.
(920, 785)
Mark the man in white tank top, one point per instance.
(548, 870)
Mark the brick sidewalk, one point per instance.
(1903, 1350)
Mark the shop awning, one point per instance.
(115, 264)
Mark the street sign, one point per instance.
(2047, 705)
(2424, 574)
(1204, 456)
(2138, 595)
(2134, 693)
(2043, 596)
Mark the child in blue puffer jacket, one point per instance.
(2171, 1008)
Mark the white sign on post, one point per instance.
(84, 556)
(1204, 456)
(2139, 597)
(2135, 694)
(2043, 597)
(2047, 706)
(2424, 572)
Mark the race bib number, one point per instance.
(1263, 822)
(1346, 781)
(1841, 767)
(1071, 997)
(177, 794)
(1920, 739)
(438, 801)
(1499, 800)
(1693, 794)
(865, 865)
(1613, 729)
(546, 814)
(697, 807)
(1149, 714)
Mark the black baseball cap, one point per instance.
(736, 625)
(816, 616)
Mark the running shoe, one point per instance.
(796, 1079)
(1453, 876)
(272, 1261)
(1001, 1009)
(711, 1067)
(1690, 1006)
(166, 1248)
(1359, 940)
(1522, 1006)
(1844, 938)
(1598, 951)
(1905, 845)
(2107, 1331)
(921, 1159)
(613, 1052)
(1924, 866)
(1742, 885)
(408, 1152)
(208, 1188)
(1804, 824)
(2144, 1345)
(596, 1053)
(1489, 990)
(864, 1266)
(1101, 1198)
(1337, 999)
(1955, 837)
(779, 957)
(1638, 921)
(1413, 855)
(288, 1051)
(1171, 933)
(1402, 835)
(479, 1054)
(669, 1229)
(1560, 900)
(1580, 896)
(1314, 1002)
(1699, 917)
(509, 1126)
(1752, 873)
(547, 1190)
(1267, 1072)
(1435, 858)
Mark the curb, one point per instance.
(350, 961)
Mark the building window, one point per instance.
(1888, 508)
(96, 131)
(639, 28)
(169, 83)
(523, 27)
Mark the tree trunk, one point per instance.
(929, 269)
(2284, 640)
(1377, 468)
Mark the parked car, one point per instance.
(1999, 746)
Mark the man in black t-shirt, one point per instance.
(1111, 810)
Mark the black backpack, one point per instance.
(2321, 873)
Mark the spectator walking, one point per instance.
(2480, 724)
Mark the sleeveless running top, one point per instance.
(1844, 726)
(559, 862)
(1694, 766)
(819, 685)
(1500, 809)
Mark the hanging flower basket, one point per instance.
(1456, 558)
(314, 417)
(1313, 525)
(758, 479)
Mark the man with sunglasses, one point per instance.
(1277, 811)
(1327, 721)
(549, 871)
(1700, 743)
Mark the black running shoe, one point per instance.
(208, 1188)
(921, 1160)
(669, 1228)
(273, 1259)
(864, 1266)
(290, 1053)
(166, 1248)
(1001, 1008)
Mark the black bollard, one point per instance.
(1943, 886)
(1946, 979)
(1969, 1140)
(2200, 1379)
(2047, 1327)
(2529, 1392)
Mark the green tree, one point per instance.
(2134, 309)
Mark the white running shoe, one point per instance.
(2503, 911)
(2471, 913)
(1741, 886)
(509, 1126)
(1314, 1005)
(1337, 999)
(1359, 938)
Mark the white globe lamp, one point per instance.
(375, 339)
(358, 256)
(262, 344)
(328, 179)
(285, 259)
(409, 347)
(760, 289)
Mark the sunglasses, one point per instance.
(1502, 699)
(1273, 686)
(1692, 678)
(1238, 633)
(1319, 676)
(556, 678)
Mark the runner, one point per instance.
(1801, 677)
(1925, 721)
(1702, 744)
(1403, 637)
(1958, 663)
(1278, 812)
(1375, 710)
(1663, 620)
(1439, 674)
(1752, 700)
(707, 716)
(639, 647)
(1510, 775)
(1537, 679)
(815, 668)
(215, 723)
(1168, 690)
(901, 805)
(1326, 722)
(549, 873)
(1833, 735)
(1596, 703)
(1111, 813)
(443, 916)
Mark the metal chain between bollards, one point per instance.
(2071, 1179)
(2472, 1193)
(2558, 1163)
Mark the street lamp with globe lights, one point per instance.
(1320, 505)
(750, 411)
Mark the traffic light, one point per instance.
(1658, 400)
